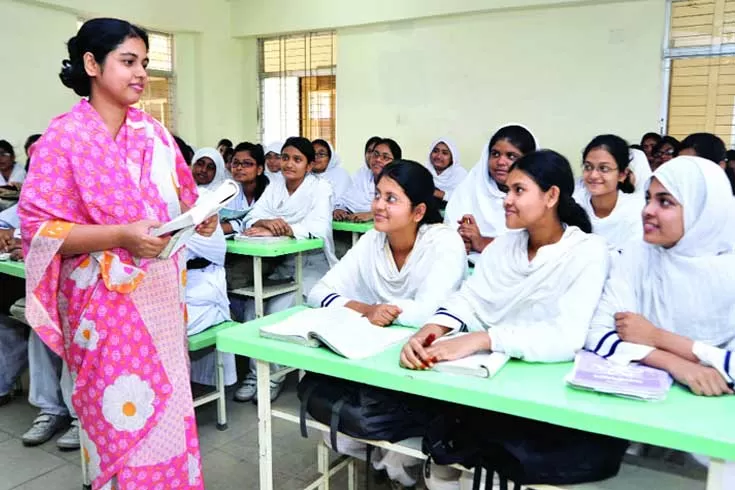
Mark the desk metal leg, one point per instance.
(265, 439)
(716, 474)
(299, 278)
(258, 285)
(221, 402)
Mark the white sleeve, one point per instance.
(458, 312)
(559, 338)
(445, 277)
(337, 286)
(18, 174)
(318, 222)
(258, 211)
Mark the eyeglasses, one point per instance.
(669, 152)
(321, 154)
(239, 164)
(382, 156)
(603, 169)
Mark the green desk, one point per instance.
(12, 268)
(258, 251)
(356, 229)
(537, 391)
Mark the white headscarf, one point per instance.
(452, 176)
(687, 289)
(641, 169)
(337, 176)
(273, 147)
(359, 197)
(479, 195)
(220, 174)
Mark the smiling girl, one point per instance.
(445, 169)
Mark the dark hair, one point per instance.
(225, 142)
(668, 140)
(636, 147)
(618, 148)
(7, 147)
(99, 37)
(186, 151)
(417, 183)
(548, 168)
(395, 148)
(372, 142)
(323, 143)
(229, 153)
(303, 145)
(517, 136)
(729, 170)
(651, 136)
(30, 140)
(256, 151)
(706, 145)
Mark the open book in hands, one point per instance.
(183, 226)
(341, 329)
(480, 364)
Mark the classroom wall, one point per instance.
(216, 78)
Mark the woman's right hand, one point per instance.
(340, 214)
(702, 380)
(382, 315)
(136, 239)
(413, 354)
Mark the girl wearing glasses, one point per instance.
(248, 169)
(477, 203)
(607, 193)
(664, 151)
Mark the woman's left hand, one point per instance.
(463, 346)
(360, 217)
(257, 231)
(635, 328)
(208, 226)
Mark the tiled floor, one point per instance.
(230, 458)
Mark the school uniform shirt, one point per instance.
(619, 227)
(337, 176)
(452, 176)
(540, 310)
(434, 269)
(235, 207)
(9, 218)
(18, 175)
(359, 196)
(687, 289)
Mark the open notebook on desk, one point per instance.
(342, 330)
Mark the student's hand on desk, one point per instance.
(277, 226)
(382, 315)
(340, 214)
(257, 231)
(413, 354)
(135, 238)
(208, 226)
(702, 380)
(635, 328)
(6, 239)
(360, 217)
(466, 345)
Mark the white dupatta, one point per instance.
(336, 175)
(220, 174)
(452, 176)
(359, 197)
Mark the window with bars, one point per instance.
(699, 61)
(298, 86)
(158, 97)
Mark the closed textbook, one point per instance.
(481, 364)
(341, 329)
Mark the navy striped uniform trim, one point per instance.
(445, 312)
(612, 350)
(328, 299)
(727, 362)
(602, 341)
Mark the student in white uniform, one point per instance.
(607, 194)
(705, 145)
(640, 171)
(444, 165)
(273, 160)
(11, 172)
(248, 169)
(477, 203)
(327, 165)
(356, 203)
(534, 290)
(300, 206)
(208, 168)
(398, 272)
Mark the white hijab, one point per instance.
(337, 176)
(220, 174)
(452, 176)
(273, 147)
(641, 169)
(622, 225)
(687, 289)
(298, 207)
(479, 195)
(360, 195)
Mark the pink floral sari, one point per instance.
(117, 321)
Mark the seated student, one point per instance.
(11, 172)
(248, 170)
(361, 185)
(186, 151)
(369, 149)
(208, 169)
(669, 300)
(300, 206)
(206, 296)
(327, 166)
(640, 170)
(533, 291)
(665, 150)
(477, 203)
(648, 143)
(223, 145)
(357, 201)
(398, 272)
(711, 147)
(273, 160)
(27, 147)
(608, 195)
(445, 168)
